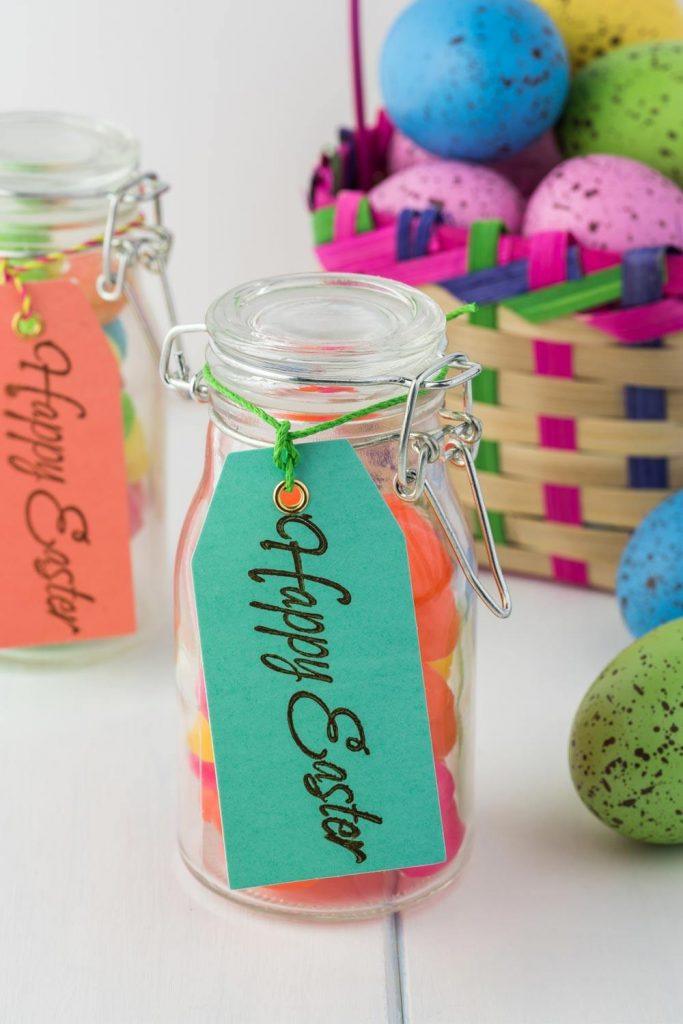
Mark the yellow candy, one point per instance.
(199, 740)
(137, 459)
(114, 348)
(443, 665)
(591, 28)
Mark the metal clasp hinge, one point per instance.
(148, 244)
(457, 442)
(180, 380)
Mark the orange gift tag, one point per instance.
(66, 573)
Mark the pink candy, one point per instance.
(204, 770)
(453, 828)
(136, 504)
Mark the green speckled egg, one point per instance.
(626, 746)
(629, 103)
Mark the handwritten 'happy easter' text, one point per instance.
(301, 632)
(35, 431)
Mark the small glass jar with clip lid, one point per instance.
(315, 357)
(82, 251)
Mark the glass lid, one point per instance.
(319, 325)
(62, 155)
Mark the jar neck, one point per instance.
(32, 227)
(237, 425)
(314, 348)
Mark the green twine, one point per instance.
(285, 453)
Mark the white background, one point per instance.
(555, 920)
(232, 100)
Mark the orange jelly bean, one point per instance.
(211, 811)
(430, 567)
(441, 711)
(431, 571)
(438, 625)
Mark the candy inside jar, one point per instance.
(435, 592)
(335, 331)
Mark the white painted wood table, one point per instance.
(554, 919)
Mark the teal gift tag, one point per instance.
(313, 676)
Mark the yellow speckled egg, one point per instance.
(593, 27)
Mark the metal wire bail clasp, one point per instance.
(180, 380)
(148, 244)
(457, 442)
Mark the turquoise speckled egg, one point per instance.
(650, 575)
(474, 79)
(629, 103)
(626, 746)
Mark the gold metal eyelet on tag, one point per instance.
(28, 326)
(292, 501)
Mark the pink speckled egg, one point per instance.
(528, 168)
(403, 152)
(524, 169)
(463, 192)
(608, 202)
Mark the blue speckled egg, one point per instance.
(650, 576)
(474, 79)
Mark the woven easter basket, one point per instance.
(581, 397)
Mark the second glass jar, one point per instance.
(66, 183)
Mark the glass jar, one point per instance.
(72, 207)
(309, 348)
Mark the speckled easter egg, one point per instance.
(629, 102)
(650, 576)
(470, 79)
(626, 746)
(608, 202)
(525, 169)
(591, 28)
(463, 192)
(403, 152)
